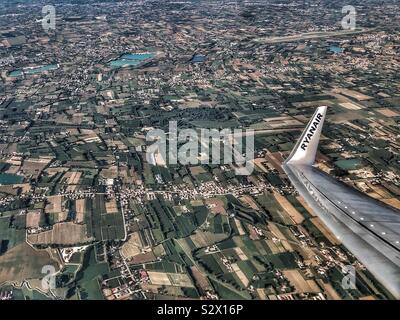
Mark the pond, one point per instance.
(34, 70)
(130, 59)
(198, 58)
(335, 49)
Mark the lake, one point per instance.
(34, 70)
(130, 59)
(198, 58)
(335, 49)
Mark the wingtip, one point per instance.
(306, 147)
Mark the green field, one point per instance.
(89, 275)
(228, 293)
(100, 224)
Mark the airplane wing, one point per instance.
(369, 228)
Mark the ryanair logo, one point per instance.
(310, 133)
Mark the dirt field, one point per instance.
(159, 278)
(274, 161)
(383, 192)
(239, 273)
(132, 247)
(249, 201)
(239, 227)
(51, 172)
(80, 206)
(90, 136)
(196, 203)
(33, 219)
(197, 170)
(110, 173)
(25, 187)
(306, 206)
(143, 258)
(111, 206)
(23, 262)
(240, 254)
(352, 93)
(388, 112)
(274, 248)
(34, 166)
(9, 189)
(302, 285)
(259, 162)
(287, 206)
(180, 279)
(394, 202)
(204, 239)
(325, 231)
(56, 205)
(329, 290)
(350, 106)
(74, 177)
(261, 293)
(169, 279)
(216, 205)
(200, 279)
(65, 233)
(278, 234)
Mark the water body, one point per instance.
(6, 178)
(198, 58)
(335, 49)
(349, 164)
(34, 70)
(131, 59)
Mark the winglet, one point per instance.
(306, 147)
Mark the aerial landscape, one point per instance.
(200, 150)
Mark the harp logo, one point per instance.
(310, 133)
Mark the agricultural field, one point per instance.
(63, 233)
(23, 262)
(101, 224)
